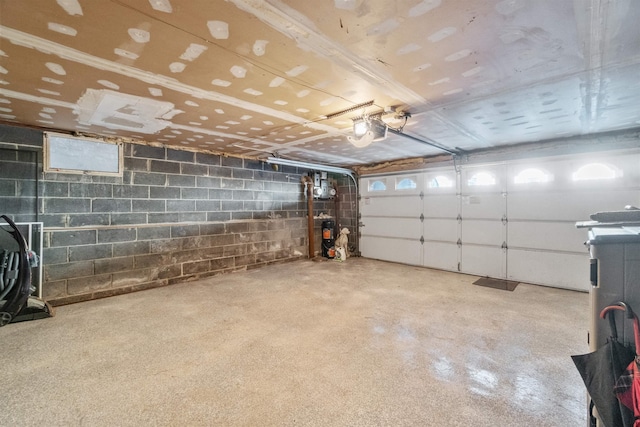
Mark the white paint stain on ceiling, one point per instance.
(254, 77)
(72, 7)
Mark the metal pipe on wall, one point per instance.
(333, 169)
(308, 185)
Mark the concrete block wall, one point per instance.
(93, 262)
(173, 216)
(162, 185)
(18, 184)
(347, 208)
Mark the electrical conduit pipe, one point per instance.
(308, 184)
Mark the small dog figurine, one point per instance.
(343, 240)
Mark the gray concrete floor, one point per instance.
(360, 343)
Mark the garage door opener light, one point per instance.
(367, 129)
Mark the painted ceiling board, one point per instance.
(259, 77)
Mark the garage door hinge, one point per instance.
(422, 240)
(459, 242)
(504, 219)
(421, 195)
(421, 217)
(504, 245)
(459, 218)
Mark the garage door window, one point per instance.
(406, 183)
(596, 171)
(441, 181)
(533, 175)
(481, 179)
(377, 185)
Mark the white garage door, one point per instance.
(511, 220)
(441, 207)
(483, 220)
(390, 211)
(545, 200)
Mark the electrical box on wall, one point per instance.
(322, 189)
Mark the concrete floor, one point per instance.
(360, 343)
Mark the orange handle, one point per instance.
(631, 315)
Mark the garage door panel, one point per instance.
(387, 249)
(558, 236)
(391, 221)
(441, 206)
(483, 261)
(489, 206)
(441, 229)
(410, 206)
(568, 206)
(392, 227)
(441, 255)
(563, 270)
(483, 232)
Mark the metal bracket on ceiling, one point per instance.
(350, 109)
(424, 141)
(400, 131)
